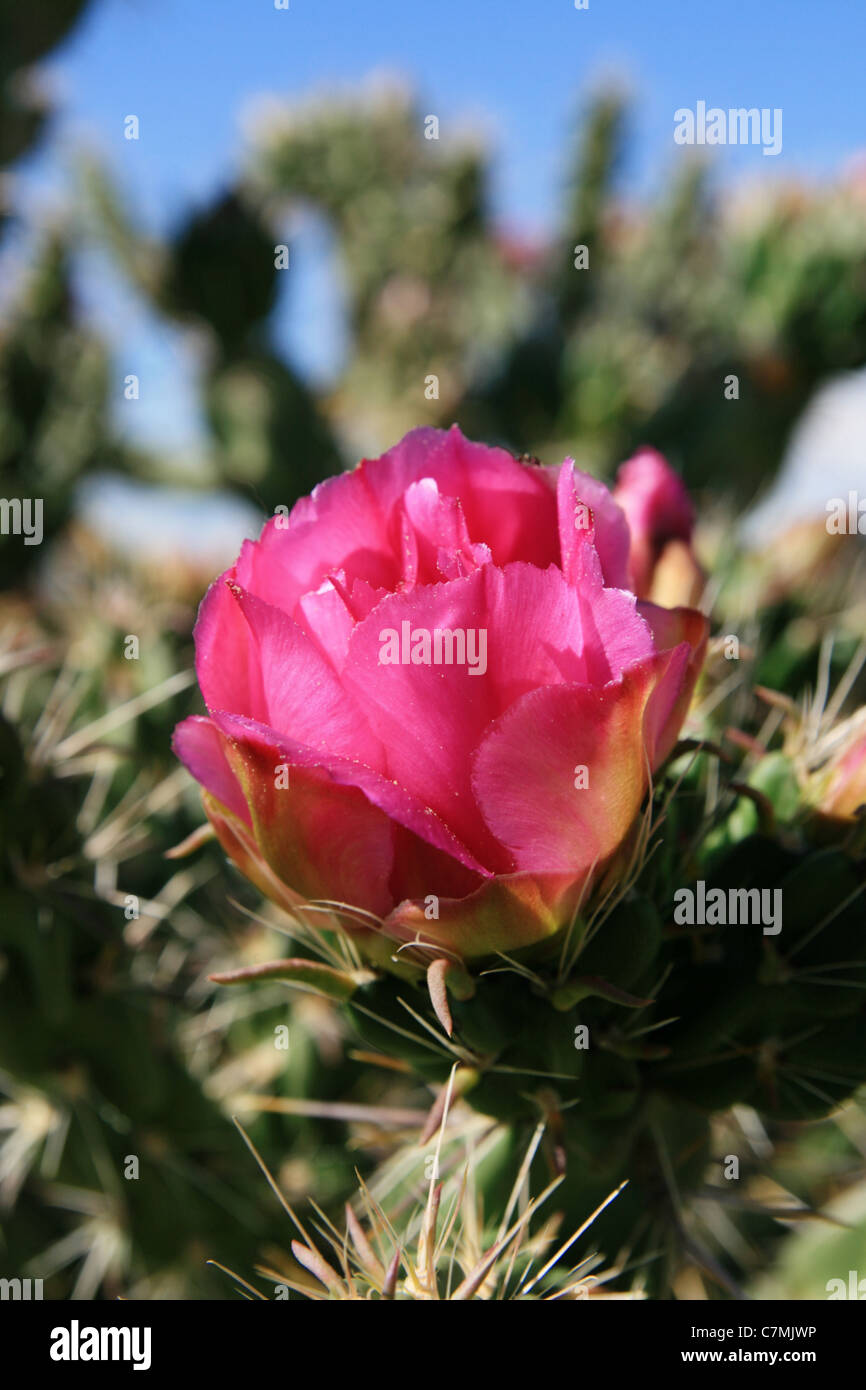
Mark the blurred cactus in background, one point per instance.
(631, 325)
(26, 38)
(120, 1171)
(635, 340)
(53, 370)
(218, 275)
(550, 351)
(429, 290)
(53, 403)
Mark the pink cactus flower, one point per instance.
(845, 791)
(432, 684)
(660, 519)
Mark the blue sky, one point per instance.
(518, 68)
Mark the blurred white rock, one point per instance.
(826, 459)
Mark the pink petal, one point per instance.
(339, 526)
(507, 505)
(267, 748)
(322, 839)
(681, 634)
(575, 493)
(431, 718)
(345, 523)
(302, 696)
(504, 914)
(326, 617)
(525, 771)
(658, 509)
(349, 521)
(199, 745)
(435, 537)
(420, 868)
(226, 661)
(237, 840)
(845, 789)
